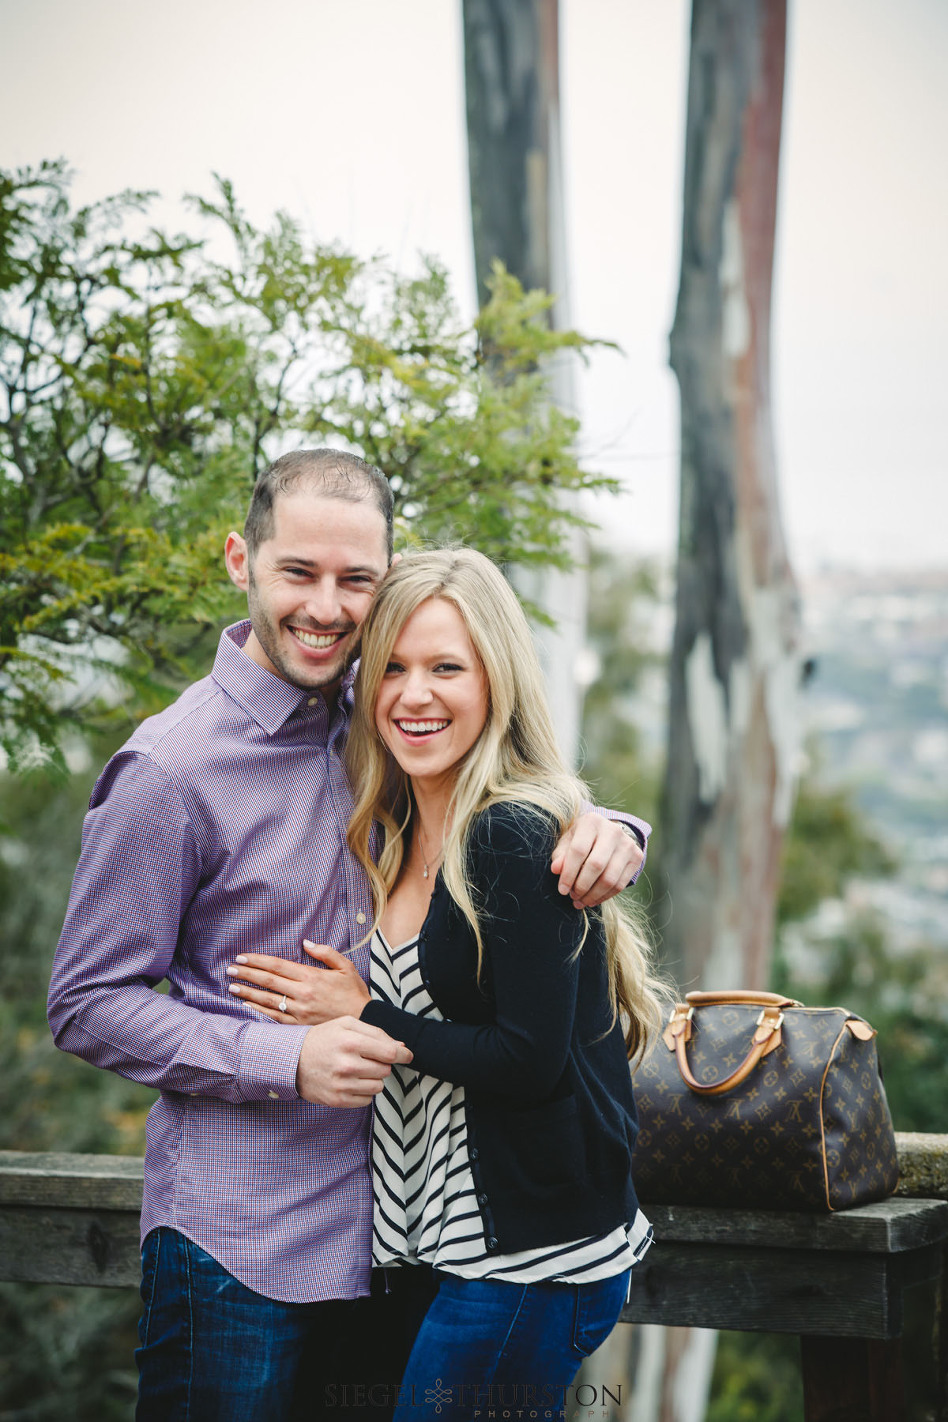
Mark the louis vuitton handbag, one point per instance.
(753, 1101)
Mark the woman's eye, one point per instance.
(448, 667)
(391, 668)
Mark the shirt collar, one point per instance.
(268, 699)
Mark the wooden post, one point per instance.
(852, 1380)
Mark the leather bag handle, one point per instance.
(766, 1038)
(742, 997)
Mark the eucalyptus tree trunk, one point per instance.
(511, 71)
(733, 724)
(733, 733)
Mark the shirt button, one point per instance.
(313, 701)
(360, 918)
(274, 1096)
(492, 1243)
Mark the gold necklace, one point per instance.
(424, 853)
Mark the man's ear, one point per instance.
(396, 558)
(237, 561)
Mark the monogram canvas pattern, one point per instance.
(809, 1129)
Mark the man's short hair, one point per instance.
(330, 473)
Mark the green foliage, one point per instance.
(67, 1354)
(48, 1100)
(756, 1379)
(623, 599)
(827, 844)
(898, 989)
(145, 380)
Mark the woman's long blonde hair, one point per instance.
(515, 758)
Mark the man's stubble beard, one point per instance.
(268, 634)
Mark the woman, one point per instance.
(502, 1155)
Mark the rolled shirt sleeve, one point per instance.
(639, 829)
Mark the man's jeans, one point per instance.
(213, 1350)
(490, 1349)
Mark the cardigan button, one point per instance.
(492, 1243)
(482, 1199)
(474, 1153)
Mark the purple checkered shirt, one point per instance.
(219, 828)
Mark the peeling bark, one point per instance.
(733, 733)
(733, 723)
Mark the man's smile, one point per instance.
(319, 641)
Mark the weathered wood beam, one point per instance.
(70, 1219)
(112, 1182)
(82, 1200)
(837, 1280)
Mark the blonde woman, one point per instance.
(502, 1156)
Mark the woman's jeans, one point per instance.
(213, 1350)
(488, 1348)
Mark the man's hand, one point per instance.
(309, 995)
(345, 1063)
(596, 859)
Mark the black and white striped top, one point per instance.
(425, 1198)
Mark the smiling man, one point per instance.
(219, 829)
(309, 564)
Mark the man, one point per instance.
(219, 828)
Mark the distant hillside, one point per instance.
(878, 705)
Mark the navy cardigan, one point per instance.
(548, 1094)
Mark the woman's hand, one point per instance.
(297, 993)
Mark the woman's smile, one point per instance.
(416, 729)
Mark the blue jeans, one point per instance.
(491, 1348)
(213, 1350)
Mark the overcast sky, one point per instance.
(349, 114)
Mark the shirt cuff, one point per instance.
(268, 1061)
(639, 829)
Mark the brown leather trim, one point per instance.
(743, 996)
(766, 1038)
(829, 1062)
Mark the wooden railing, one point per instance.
(839, 1281)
